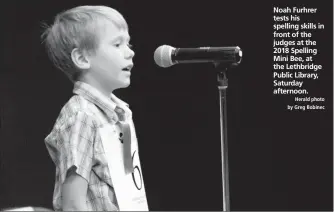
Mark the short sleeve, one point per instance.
(75, 143)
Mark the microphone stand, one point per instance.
(222, 87)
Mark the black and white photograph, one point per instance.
(172, 105)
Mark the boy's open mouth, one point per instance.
(128, 68)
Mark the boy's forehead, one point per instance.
(110, 30)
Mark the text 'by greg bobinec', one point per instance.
(295, 70)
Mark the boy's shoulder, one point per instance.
(78, 106)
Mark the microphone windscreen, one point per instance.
(163, 56)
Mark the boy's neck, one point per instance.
(97, 86)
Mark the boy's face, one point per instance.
(111, 64)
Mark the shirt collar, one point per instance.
(107, 105)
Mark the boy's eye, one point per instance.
(119, 44)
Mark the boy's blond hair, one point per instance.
(80, 28)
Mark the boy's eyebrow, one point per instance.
(122, 37)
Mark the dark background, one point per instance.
(279, 160)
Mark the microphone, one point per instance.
(28, 208)
(166, 56)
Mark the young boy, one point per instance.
(93, 142)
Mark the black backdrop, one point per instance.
(279, 160)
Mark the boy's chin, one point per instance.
(127, 85)
(112, 86)
(124, 85)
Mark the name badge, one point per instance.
(129, 187)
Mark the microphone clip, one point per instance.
(222, 74)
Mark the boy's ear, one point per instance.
(80, 59)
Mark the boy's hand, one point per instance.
(74, 191)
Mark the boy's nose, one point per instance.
(130, 54)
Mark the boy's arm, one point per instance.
(74, 191)
(76, 141)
